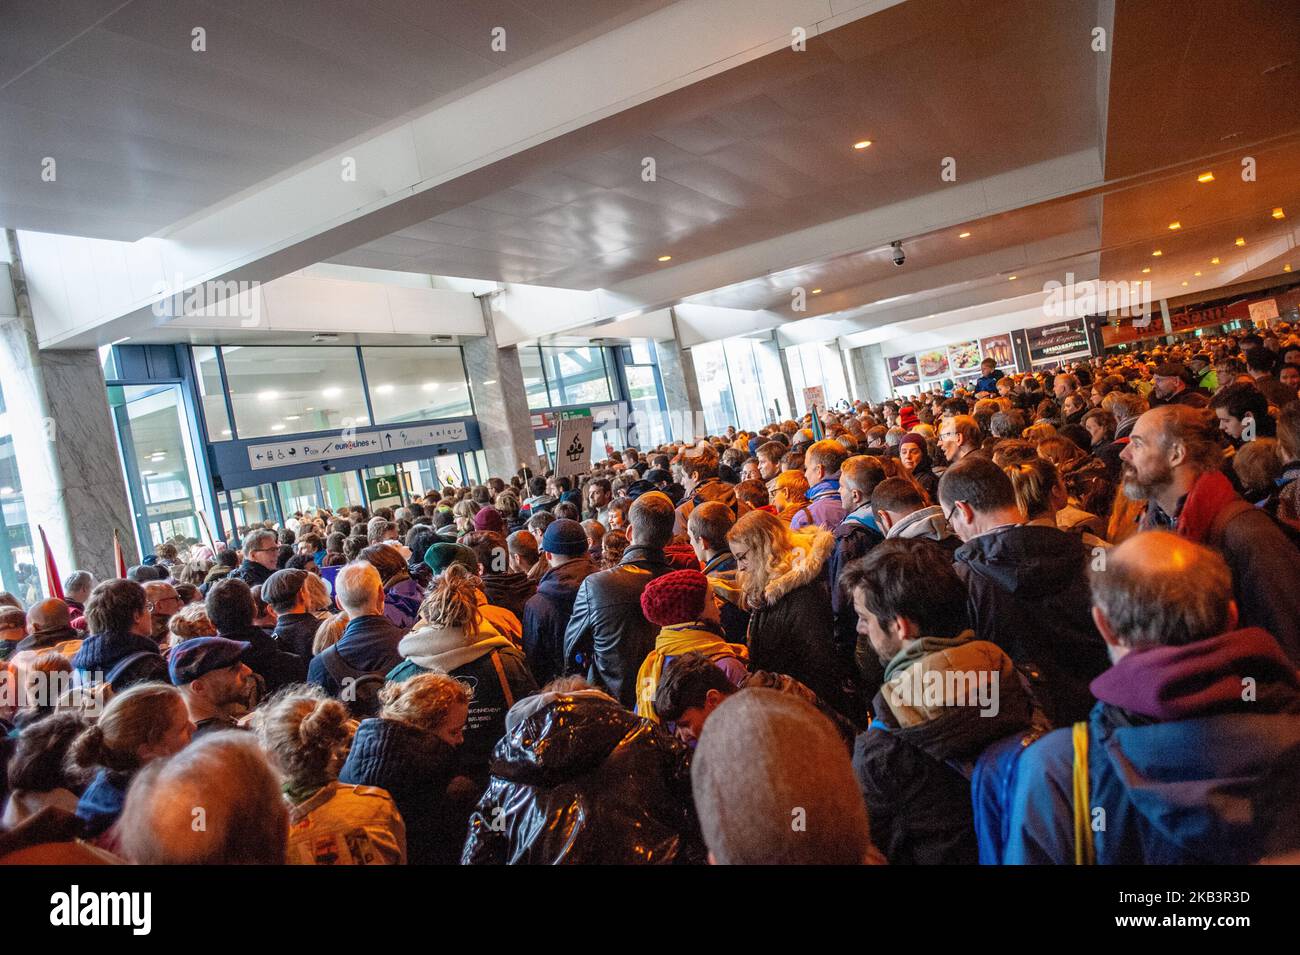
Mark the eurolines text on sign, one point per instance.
(348, 444)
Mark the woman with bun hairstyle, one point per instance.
(306, 735)
(149, 721)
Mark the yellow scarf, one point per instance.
(672, 642)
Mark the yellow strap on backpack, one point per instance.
(1084, 851)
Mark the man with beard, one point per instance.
(1173, 387)
(1173, 461)
(163, 602)
(215, 682)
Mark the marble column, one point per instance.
(681, 388)
(791, 409)
(874, 371)
(64, 442)
(500, 401)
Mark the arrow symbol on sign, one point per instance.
(389, 436)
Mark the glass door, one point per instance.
(159, 464)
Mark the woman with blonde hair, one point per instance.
(190, 621)
(306, 735)
(780, 575)
(1041, 497)
(329, 632)
(453, 637)
(410, 751)
(149, 721)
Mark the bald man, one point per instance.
(163, 602)
(1193, 750)
(48, 623)
(1174, 460)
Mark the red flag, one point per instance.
(54, 585)
(118, 557)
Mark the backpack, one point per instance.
(1234, 509)
(358, 689)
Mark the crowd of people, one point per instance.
(1050, 618)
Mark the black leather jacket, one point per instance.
(608, 637)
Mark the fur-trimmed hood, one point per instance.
(810, 555)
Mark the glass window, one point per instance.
(643, 396)
(299, 496)
(290, 390)
(832, 366)
(767, 357)
(715, 386)
(416, 383)
(530, 363)
(576, 375)
(342, 489)
(748, 395)
(254, 505)
(211, 393)
(18, 563)
(153, 434)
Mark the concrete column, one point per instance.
(500, 401)
(64, 441)
(875, 372)
(681, 388)
(791, 409)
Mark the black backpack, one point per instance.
(358, 689)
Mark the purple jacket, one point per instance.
(824, 506)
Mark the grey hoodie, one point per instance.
(928, 523)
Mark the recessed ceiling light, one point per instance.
(1205, 177)
(1278, 213)
(1241, 240)
(817, 291)
(1184, 283)
(1287, 267)
(1196, 274)
(862, 144)
(1012, 278)
(665, 258)
(1175, 225)
(1157, 253)
(1214, 261)
(964, 235)
(1147, 270)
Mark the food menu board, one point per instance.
(1052, 343)
(933, 364)
(964, 357)
(1000, 349)
(902, 370)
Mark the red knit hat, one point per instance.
(907, 417)
(676, 597)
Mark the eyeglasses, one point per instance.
(955, 505)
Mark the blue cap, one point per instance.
(192, 658)
(565, 537)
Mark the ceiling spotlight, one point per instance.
(1287, 267)
(817, 291)
(1214, 261)
(862, 144)
(1156, 254)
(1240, 240)
(1147, 270)
(964, 235)
(1196, 274)
(1012, 278)
(1184, 283)
(1205, 177)
(1175, 225)
(1278, 213)
(665, 258)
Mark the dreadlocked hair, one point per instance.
(453, 600)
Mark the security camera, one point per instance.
(327, 466)
(899, 258)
